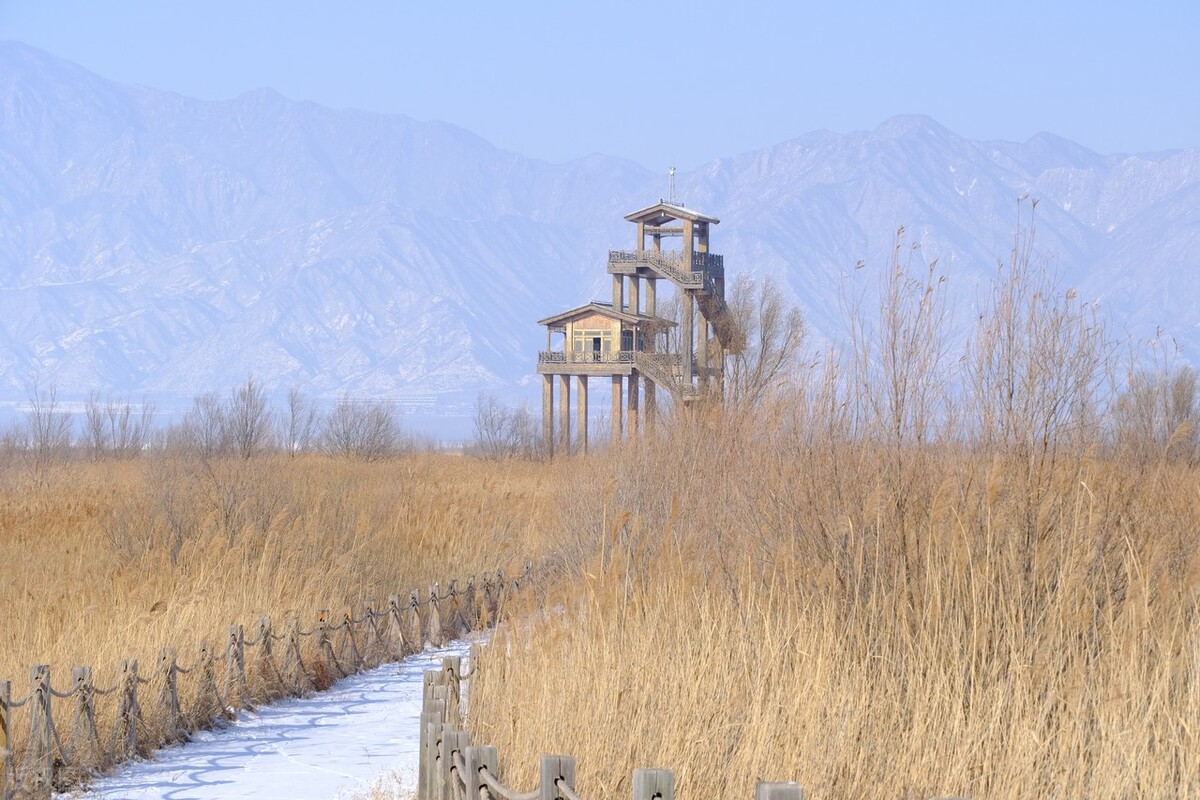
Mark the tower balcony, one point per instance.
(671, 264)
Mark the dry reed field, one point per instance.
(112, 560)
(784, 620)
(900, 570)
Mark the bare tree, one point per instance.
(362, 429)
(767, 337)
(1036, 361)
(899, 353)
(204, 429)
(1156, 415)
(49, 428)
(129, 429)
(300, 424)
(247, 419)
(502, 432)
(94, 427)
(116, 427)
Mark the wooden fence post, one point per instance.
(653, 784)
(235, 664)
(395, 628)
(415, 636)
(435, 618)
(296, 677)
(487, 606)
(476, 759)
(209, 692)
(356, 656)
(266, 658)
(433, 714)
(168, 667)
(454, 620)
(435, 732)
(39, 756)
(552, 769)
(84, 732)
(778, 791)
(5, 744)
(501, 593)
(441, 693)
(451, 672)
(127, 711)
(371, 638)
(470, 612)
(453, 741)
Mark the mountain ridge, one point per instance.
(154, 243)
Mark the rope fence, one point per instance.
(50, 739)
(451, 768)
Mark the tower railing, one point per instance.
(585, 357)
(672, 264)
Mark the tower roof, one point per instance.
(661, 213)
(603, 309)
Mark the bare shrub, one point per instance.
(502, 432)
(116, 428)
(768, 336)
(300, 423)
(204, 430)
(1036, 361)
(247, 419)
(1155, 415)
(367, 430)
(48, 429)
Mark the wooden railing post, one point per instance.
(235, 664)
(778, 791)
(415, 636)
(85, 740)
(296, 677)
(5, 745)
(553, 769)
(470, 611)
(433, 715)
(128, 711)
(435, 618)
(168, 667)
(455, 622)
(488, 616)
(501, 593)
(653, 784)
(266, 658)
(371, 638)
(395, 628)
(476, 759)
(39, 757)
(451, 677)
(435, 732)
(453, 741)
(209, 693)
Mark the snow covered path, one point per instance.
(329, 745)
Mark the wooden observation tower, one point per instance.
(628, 342)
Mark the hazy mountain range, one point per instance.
(153, 243)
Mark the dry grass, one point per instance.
(753, 607)
(114, 560)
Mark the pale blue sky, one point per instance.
(662, 83)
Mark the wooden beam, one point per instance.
(548, 414)
(632, 413)
(581, 418)
(564, 414)
(616, 409)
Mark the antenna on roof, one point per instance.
(671, 186)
